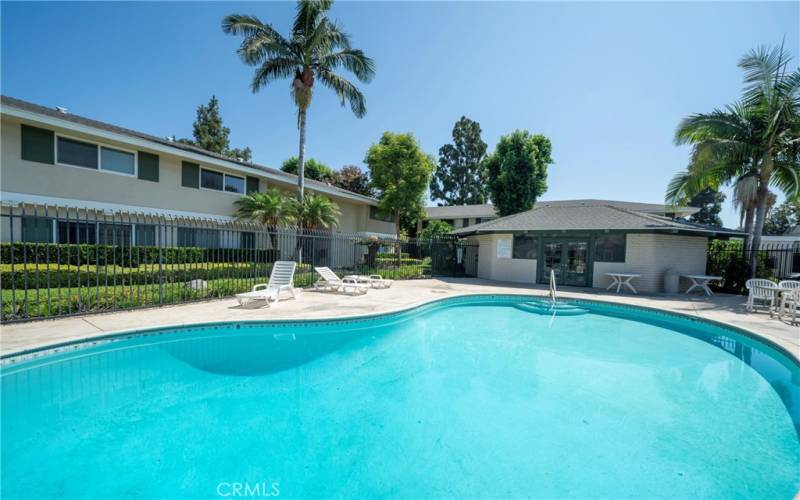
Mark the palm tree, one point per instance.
(310, 213)
(773, 91)
(314, 212)
(316, 49)
(271, 208)
(750, 144)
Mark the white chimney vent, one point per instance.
(62, 110)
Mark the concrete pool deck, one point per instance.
(728, 309)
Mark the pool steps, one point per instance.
(559, 309)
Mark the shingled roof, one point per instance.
(80, 120)
(579, 216)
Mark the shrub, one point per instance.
(126, 256)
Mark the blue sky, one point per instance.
(607, 82)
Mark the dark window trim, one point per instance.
(40, 145)
(624, 250)
(534, 246)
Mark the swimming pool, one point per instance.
(477, 396)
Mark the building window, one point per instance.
(145, 234)
(247, 239)
(115, 160)
(464, 222)
(204, 238)
(37, 230)
(234, 184)
(524, 247)
(77, 232)
(114, 234)
(211, 180)
(375, 214)
(37, 144)
(77, 153)
(609, 248)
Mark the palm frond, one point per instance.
(307, 16)
(346, 91)
(353, 60)
(273, 69)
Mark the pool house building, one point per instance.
(582, 241)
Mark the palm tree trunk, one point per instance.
(301, 155)
(761, 215)
(748, 228)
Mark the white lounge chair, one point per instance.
(329, 281)
(760, 290)
(280, 280)
(790, 298)
(373, 280)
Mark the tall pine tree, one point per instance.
(210, 134)
(460, 178)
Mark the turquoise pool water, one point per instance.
(463, 398)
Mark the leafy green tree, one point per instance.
(353, 179)
(783, 218)
(435, 229)
(314, 169)
(401, 172)
(517, 171)
(460, 178)
(210, 134)
(314, 212)
(316, 48)
(709, 201)
(754, 140)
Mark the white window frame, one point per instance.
(224, 176)
(100, 146)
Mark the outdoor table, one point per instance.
(701, 281)
(622, 279)
(779, 291)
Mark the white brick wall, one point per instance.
(651, 255)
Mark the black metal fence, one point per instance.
(774, 261)
(58, 261)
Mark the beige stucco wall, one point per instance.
(77, 183)
(492, 268)
(651, 255)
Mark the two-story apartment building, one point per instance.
(54, 162)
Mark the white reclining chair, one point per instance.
(280, 280)
(329, 281)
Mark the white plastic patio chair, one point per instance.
(790, 296)
(760, 290)
(373, 280)
(329, 281)
(280, 280)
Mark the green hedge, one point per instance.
(393, 261)
(391, 255)
(128, 256)
(31, 277)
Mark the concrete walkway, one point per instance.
(404, 294)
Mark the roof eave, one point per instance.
(258, 170)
